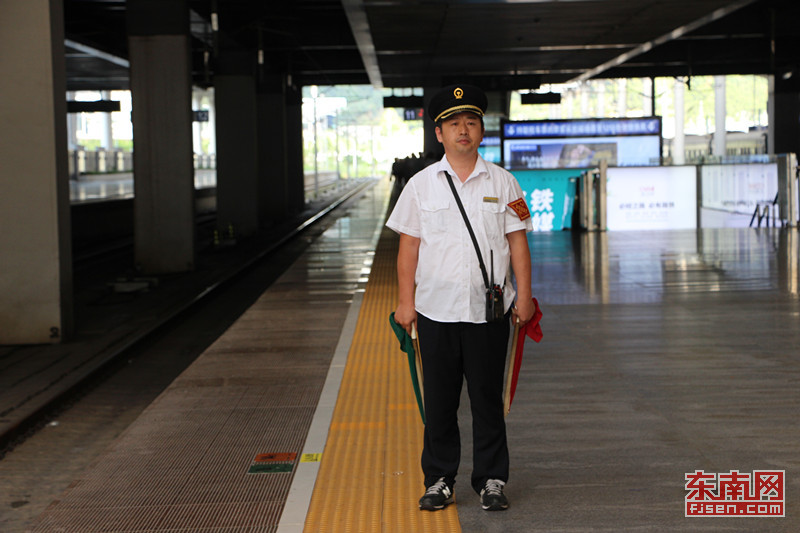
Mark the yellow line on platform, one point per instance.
(369, 478)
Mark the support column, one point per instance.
(720, 114)
(771, 115)
(72, 141)
(107, 141)
(197, 105)
(622, 97)
(72, 126)
(649, 96)
(678, 144)
(237, 149)
(160, 71)
(787, 116)
(273, 176)
(294, 152)
(211, 125)
(583, 88)
(601, 99)
(35, 251)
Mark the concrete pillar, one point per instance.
(720, 114)
(107, 138)
(237, 149)
(294, 149)
(601, 98)
(771, 115)
(72, 141)
(678, 144)
(273, 175)
(211, 125)
(649, 96)
(197, 105)
(35, 252)
(583, 87)
(787, 115)
(72, 126)
(160, 72)
(622, 97)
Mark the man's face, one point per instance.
(461, 133)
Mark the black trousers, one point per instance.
(450, 353)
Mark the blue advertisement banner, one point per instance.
(550, 195)
(600, 127)
(581, 143)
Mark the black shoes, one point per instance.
(437, 497)
(492, 497)
(440, 495)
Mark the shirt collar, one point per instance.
(479, 170)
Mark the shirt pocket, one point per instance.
(433, 216)
(493, 219)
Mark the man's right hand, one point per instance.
(405, 315)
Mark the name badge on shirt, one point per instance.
(490, 199)
(520, 208)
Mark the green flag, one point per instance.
(414, 366)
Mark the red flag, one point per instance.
(533, 330)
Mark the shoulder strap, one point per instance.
(469, 228)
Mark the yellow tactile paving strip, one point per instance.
(370, 478)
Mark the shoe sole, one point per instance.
(436, 507)
(494, 507)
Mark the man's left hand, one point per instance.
(523, 311)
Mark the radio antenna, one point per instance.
(491, 260)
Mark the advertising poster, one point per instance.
(652, 198)
(550, 195)
(739, 188)
(581, 143)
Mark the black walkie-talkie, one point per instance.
(495, 311)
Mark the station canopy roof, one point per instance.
(497, 44)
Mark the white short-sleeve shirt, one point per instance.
(450, 286)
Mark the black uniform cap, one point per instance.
(457, 99)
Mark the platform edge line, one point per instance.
(298, 500)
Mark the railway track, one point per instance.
(40, 460)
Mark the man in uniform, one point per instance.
(442, 291)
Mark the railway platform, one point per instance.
(116, 307)
(664, 353)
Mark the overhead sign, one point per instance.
(403, 101)
(540, 98)
(595, 127)
(413, 114)
(97, 106)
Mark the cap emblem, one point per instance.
(458, 93)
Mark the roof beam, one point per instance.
(99, 54)
(674, 34)
(359, 25)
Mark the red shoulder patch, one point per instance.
(520, 208)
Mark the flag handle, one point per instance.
(510, 373)
(418, 355)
